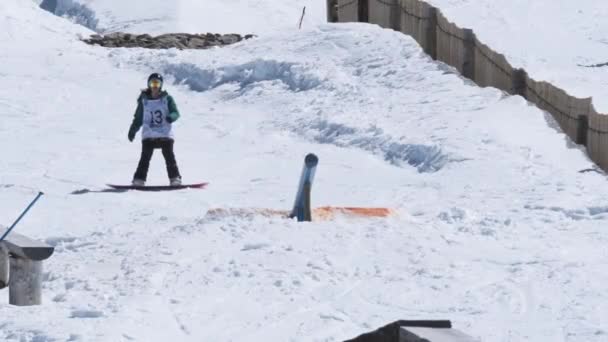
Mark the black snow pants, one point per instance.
(147, 149)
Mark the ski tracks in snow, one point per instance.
(310, 107)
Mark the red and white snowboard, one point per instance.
(158, 187)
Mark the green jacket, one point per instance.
(138, 118)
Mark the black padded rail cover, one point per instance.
(390, 332)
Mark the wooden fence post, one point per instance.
(363, 11)
(396, 15)
(431, 33)
(582, 129)
(518, 82)
(26, 282)
(332, 11)
(468, 66)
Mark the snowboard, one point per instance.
(158, 187)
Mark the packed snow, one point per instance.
(217, 16)
(495, 227)
(554, 40)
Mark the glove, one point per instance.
(131, 136)
(172, 117)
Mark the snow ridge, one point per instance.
(425, 158)
(78, 13)
(244, 75)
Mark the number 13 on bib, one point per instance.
(155, 123)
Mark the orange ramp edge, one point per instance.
(321, 213)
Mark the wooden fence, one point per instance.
(460, 48)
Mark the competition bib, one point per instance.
(155, 124)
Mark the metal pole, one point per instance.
(302, 18)
(301, 207)
(21, 216)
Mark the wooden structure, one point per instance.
(21, 268)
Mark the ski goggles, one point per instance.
(155, 84)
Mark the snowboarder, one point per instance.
(156, 112)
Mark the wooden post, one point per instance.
(4, 266)
(582, 129)
(431, 34)
(25, 286)
(518, 82)
(332, 11)
(468, 66)
(396, 15)
(363, 11)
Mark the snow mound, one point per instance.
(78, 13)
(244, 75)
(579, 25)
(425, 158)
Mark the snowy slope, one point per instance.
(218, 16)
(549, 38)
(500, 233)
